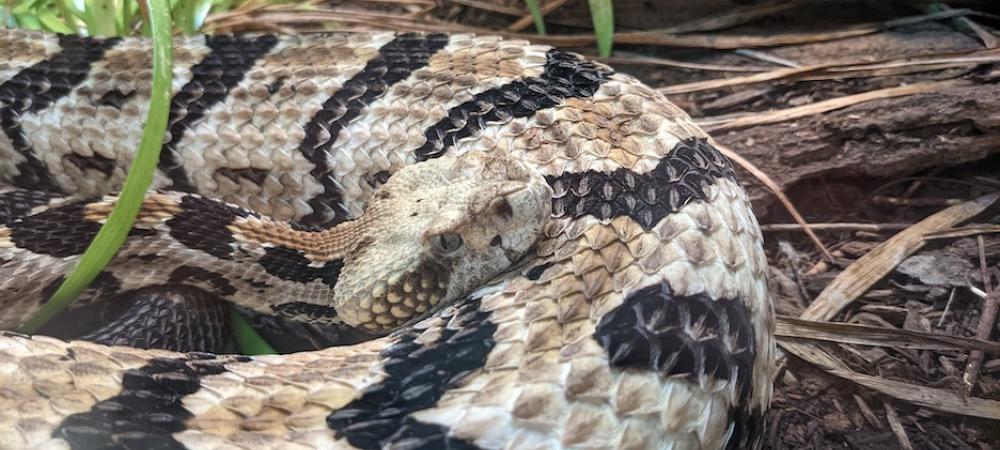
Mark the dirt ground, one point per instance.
(871, 117)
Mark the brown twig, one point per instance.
(422, 11)
(959, 232)
(989, 40)
(897, 427)
(846, 69)
(770, 184)
(947, 307)
(836, 226)
(714, 40)
(722, 20)
(867, 412)
(281, 15)
(624, 57)
(920, 395)
(790, 328)
(402, 2)
(986, 320)
(763, 56)
(922, 201)
(927, 179)
(721, 123)
(491, 7)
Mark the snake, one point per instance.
(549, 252)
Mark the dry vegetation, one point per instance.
(880, 121)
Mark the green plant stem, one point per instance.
(602, 14)
(100, 16)
(249, 342)
(140, 175)
(536, 16)
(187, 11)
(67, 12)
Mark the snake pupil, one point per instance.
(447, 243)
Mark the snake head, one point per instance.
(437, 230)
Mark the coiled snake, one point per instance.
(641, 318)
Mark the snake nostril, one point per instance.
(503, 208)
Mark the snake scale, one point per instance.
(639, 319)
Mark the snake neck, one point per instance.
(333, 243)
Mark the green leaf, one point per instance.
(190, 14)
(223, 5)
(100, 17)
(129, 17)
(536, 16)
(183, 13)
(22, 8)
(28, 22)
(201, 13)
(69, 13)
(140, 175)
(602, 13)
(52, 22)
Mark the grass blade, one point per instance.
(68, 13)
(185, 16)
(602, 13)
(52, 22)
(249, 342)
(140, 175)
(28, 22)
(536, 16)
(101, 18)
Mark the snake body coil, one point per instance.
(642, 320)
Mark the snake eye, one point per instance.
(445, 244)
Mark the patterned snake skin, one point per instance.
(642, 320)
